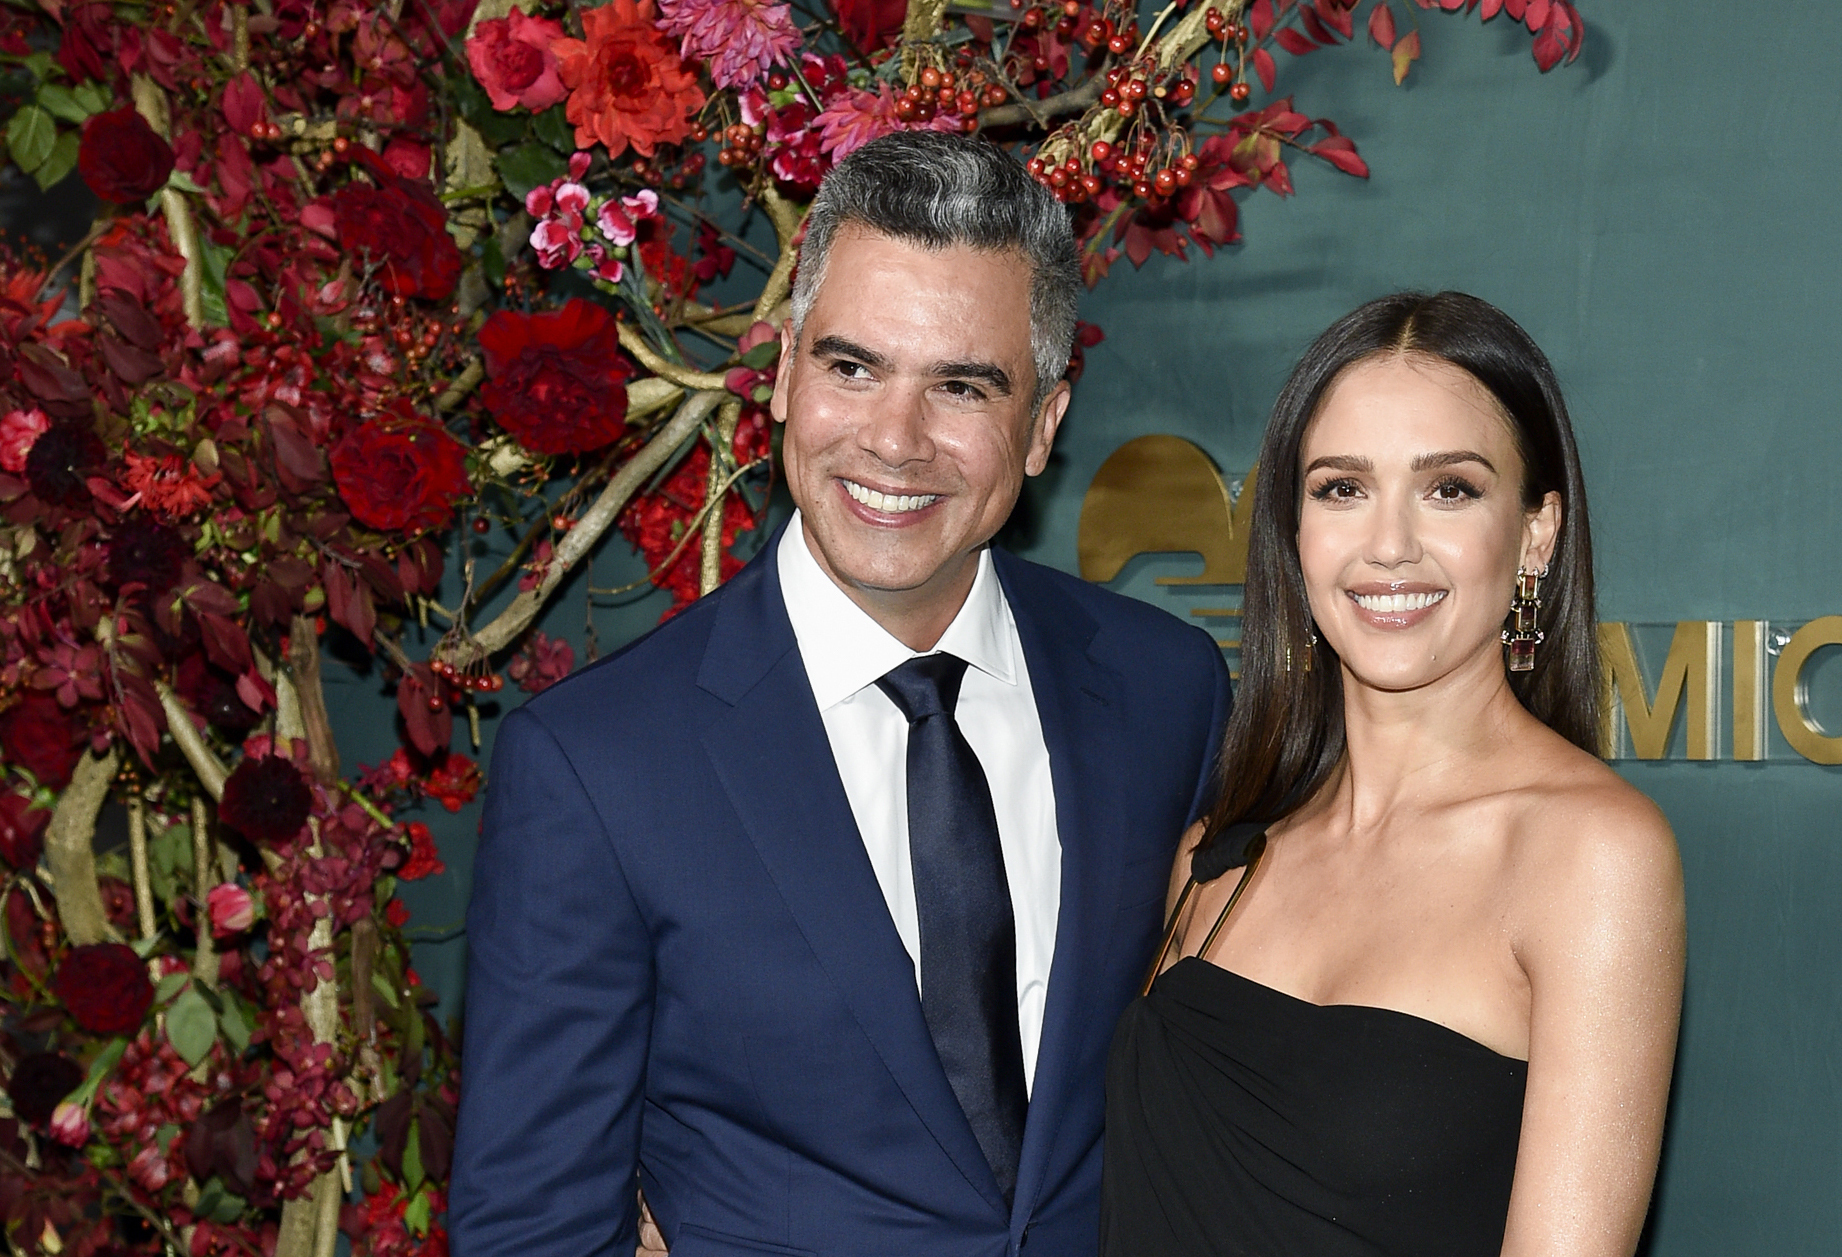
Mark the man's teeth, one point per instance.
(889, 503)
(1396, 603)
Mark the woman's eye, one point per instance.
(1456, 489)
(1336, 491)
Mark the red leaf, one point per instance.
(429, 731)
(225, 642)
(1337, 17)
(1315, 28)
(1406, 52)
(1279, 179)
(1451, 6)
(1260, 17)
(1381, 25)
(1550, 47)
(349, 602)
(1341, 153)
(244, 106)
(257, 694)
(139, 711)
(1516, 9)
(209, 597)
(1264, 66)
(1536, 15)
(1294, 43)
(1489, 9)
(298, 461)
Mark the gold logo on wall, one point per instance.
(1163, 494)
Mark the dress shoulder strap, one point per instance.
(1239, 846)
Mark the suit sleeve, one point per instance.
(1221, 704)
(560, 986)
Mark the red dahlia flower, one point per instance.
(400, 472)
(556, 381)
(122, 158)
(105, 987)
(627, 83)
(266, 799)
(401, 226)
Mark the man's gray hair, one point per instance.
(937, 191)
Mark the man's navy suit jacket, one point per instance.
(683, 975)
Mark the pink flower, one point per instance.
(559, 207)
(739, 38)
(619, 220)
(511, 58)
(233, 909)
(556, 242)
(18, 430)
(70, 1124)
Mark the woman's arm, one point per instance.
(1600, 933)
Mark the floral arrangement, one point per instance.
(372, 283)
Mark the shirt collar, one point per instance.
(845, 650)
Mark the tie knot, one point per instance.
(927, 685)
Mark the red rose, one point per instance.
(511, 58)
(399, 226)
(556, 381)
(105, 987)
(400, 472)
(122, 158)
(42, 738)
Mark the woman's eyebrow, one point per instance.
(1341, 462)
(1451, 458)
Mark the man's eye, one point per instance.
(851, 370)
(963, 389)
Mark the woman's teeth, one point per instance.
(889, 503)
(1396, 603)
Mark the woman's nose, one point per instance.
(1394, 538)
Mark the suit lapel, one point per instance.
(1078, 701)
(771, 753)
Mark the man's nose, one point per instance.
(896, 428)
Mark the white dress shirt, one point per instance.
(845, 651)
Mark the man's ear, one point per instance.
(1048, 422)
(789, 349)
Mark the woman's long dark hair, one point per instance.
(1286, 737)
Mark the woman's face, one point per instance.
(1412, 525)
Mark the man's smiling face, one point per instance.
(907, 401)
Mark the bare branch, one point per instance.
(204, 761)
(70, 850)
(684, 377)
(1075, 100)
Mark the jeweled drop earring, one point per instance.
(1311, 641)
(1525, 609)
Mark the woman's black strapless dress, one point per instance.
(1242, 1122)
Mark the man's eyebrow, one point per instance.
(990, 372)
(1341, 462)
(1451, 458)
(839, 347)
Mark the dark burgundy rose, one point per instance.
(556, 381)
(60, 459)
(146, 552)
(400, 226)
(122, 158)
(266, 799)
(22, 830)
(39, 1082)
(105, 987)
(400, 472)
(213, 694)
(222, 1144)
(41, 737)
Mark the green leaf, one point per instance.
(184, 182)
(382, 987)
(412, 1156)
(191, 1027)
(62, 161)
(492, 262)
(170, 986)
(470, 99)
(416, 1214)
(105, 1061)
(216, 262)
(762, 355)
(529, 166)
(41, 64)
(219, 1203)
(30, 136)
(235, 1023)
(554, 128)
(62, 102)
(501, 128)
(92, 96)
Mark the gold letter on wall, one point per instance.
(1790, 696)
(1749, 689)
(1693, 665)
(1161, 494)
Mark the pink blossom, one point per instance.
(619, 220)
(739, 39)
(542, 663)
(70, 1124)
(852, 119)
(556, 242)
(18, 430)
(233, 909)
(511, 58)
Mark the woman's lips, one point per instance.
(1395, 608)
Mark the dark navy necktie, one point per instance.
(963, 900)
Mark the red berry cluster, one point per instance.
(1075, 178)
(938, 91)
(1222, 73)
(461, 679)
(1086, 26)
(741, 145)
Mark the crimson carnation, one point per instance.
(60, 461)
(400, 472)
(41, 737)
(401, 227)
(146, 552)
(39, 1081)
(556, 381)
(105, 987)
(122, 158)
(266, 799)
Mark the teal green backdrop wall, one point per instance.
(1662, 217)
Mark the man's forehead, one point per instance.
(1010, 258)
